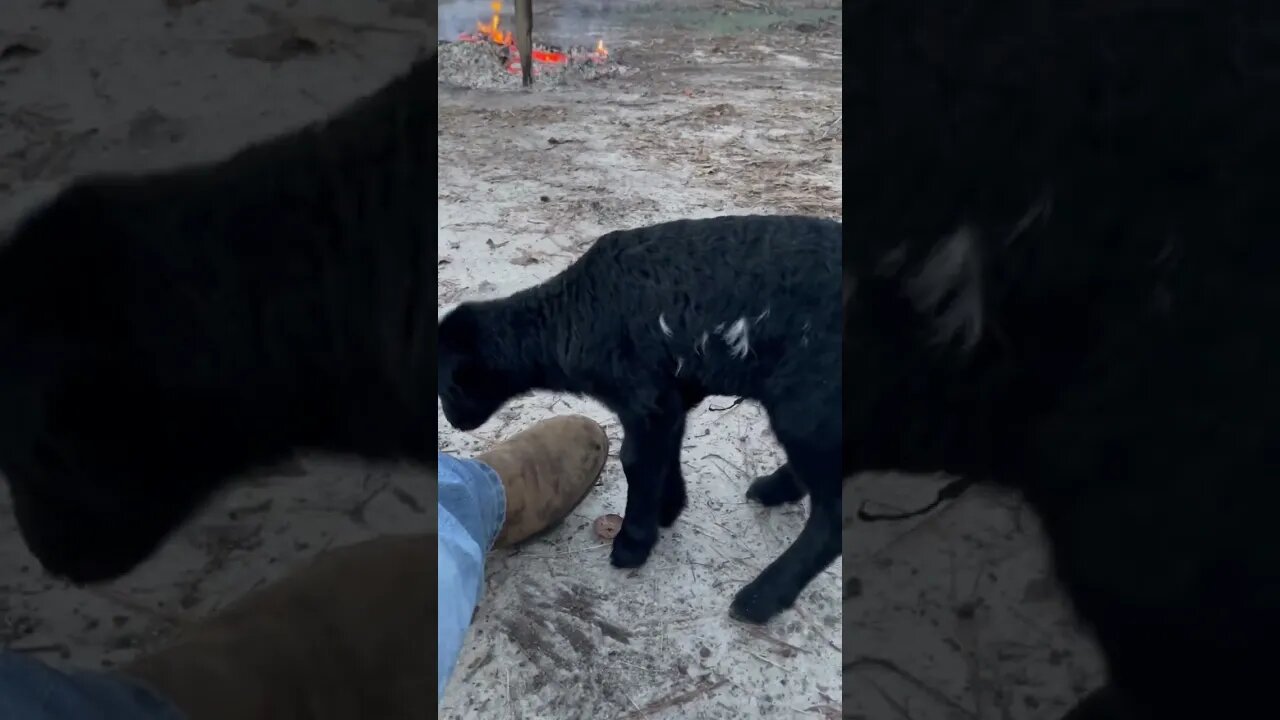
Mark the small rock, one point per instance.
(608, 526)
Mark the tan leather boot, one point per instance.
(345, 637)
(546, 470)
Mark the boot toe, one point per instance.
(587, 449)
(547, 470)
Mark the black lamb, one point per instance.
(1063, 276)
(650, 322)
(161, 333)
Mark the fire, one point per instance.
(491, 29)
(493, 32)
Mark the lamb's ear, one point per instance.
(948, 289)
(459, 330)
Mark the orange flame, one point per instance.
(491, 30)
(494, 32)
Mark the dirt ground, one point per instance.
(722, 106)
(714, 114)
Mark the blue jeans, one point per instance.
(472, 507)
(31, 690)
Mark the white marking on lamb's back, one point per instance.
(736, 338)
(701, 346)
(679, 365)
(662, 323)
(952, 271)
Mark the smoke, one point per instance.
(578, 20)
(461, 16)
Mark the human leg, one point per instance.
(33, 690)
(521, 487)
(471, 507)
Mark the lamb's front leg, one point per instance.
(650, 459)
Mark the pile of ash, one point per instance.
(485, 65)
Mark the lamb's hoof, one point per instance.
(776, 488)
(756, 607)
(629, 553)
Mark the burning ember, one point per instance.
(543, 55)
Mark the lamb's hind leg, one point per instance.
(780, 486)
(651, 463)
(674, 497)
(818, 545)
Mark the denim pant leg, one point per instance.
(31, 690)
(472, 506)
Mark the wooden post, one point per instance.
(524, 39)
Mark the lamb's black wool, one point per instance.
(161, 333)
(650, 322)
(1063, 276)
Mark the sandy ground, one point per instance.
(725, 107)
(714, 115)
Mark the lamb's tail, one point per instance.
(950, 491)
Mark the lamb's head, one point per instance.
(88, 526)
(86, 448)
(98, 468)
(113, 428)
(471, 385)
